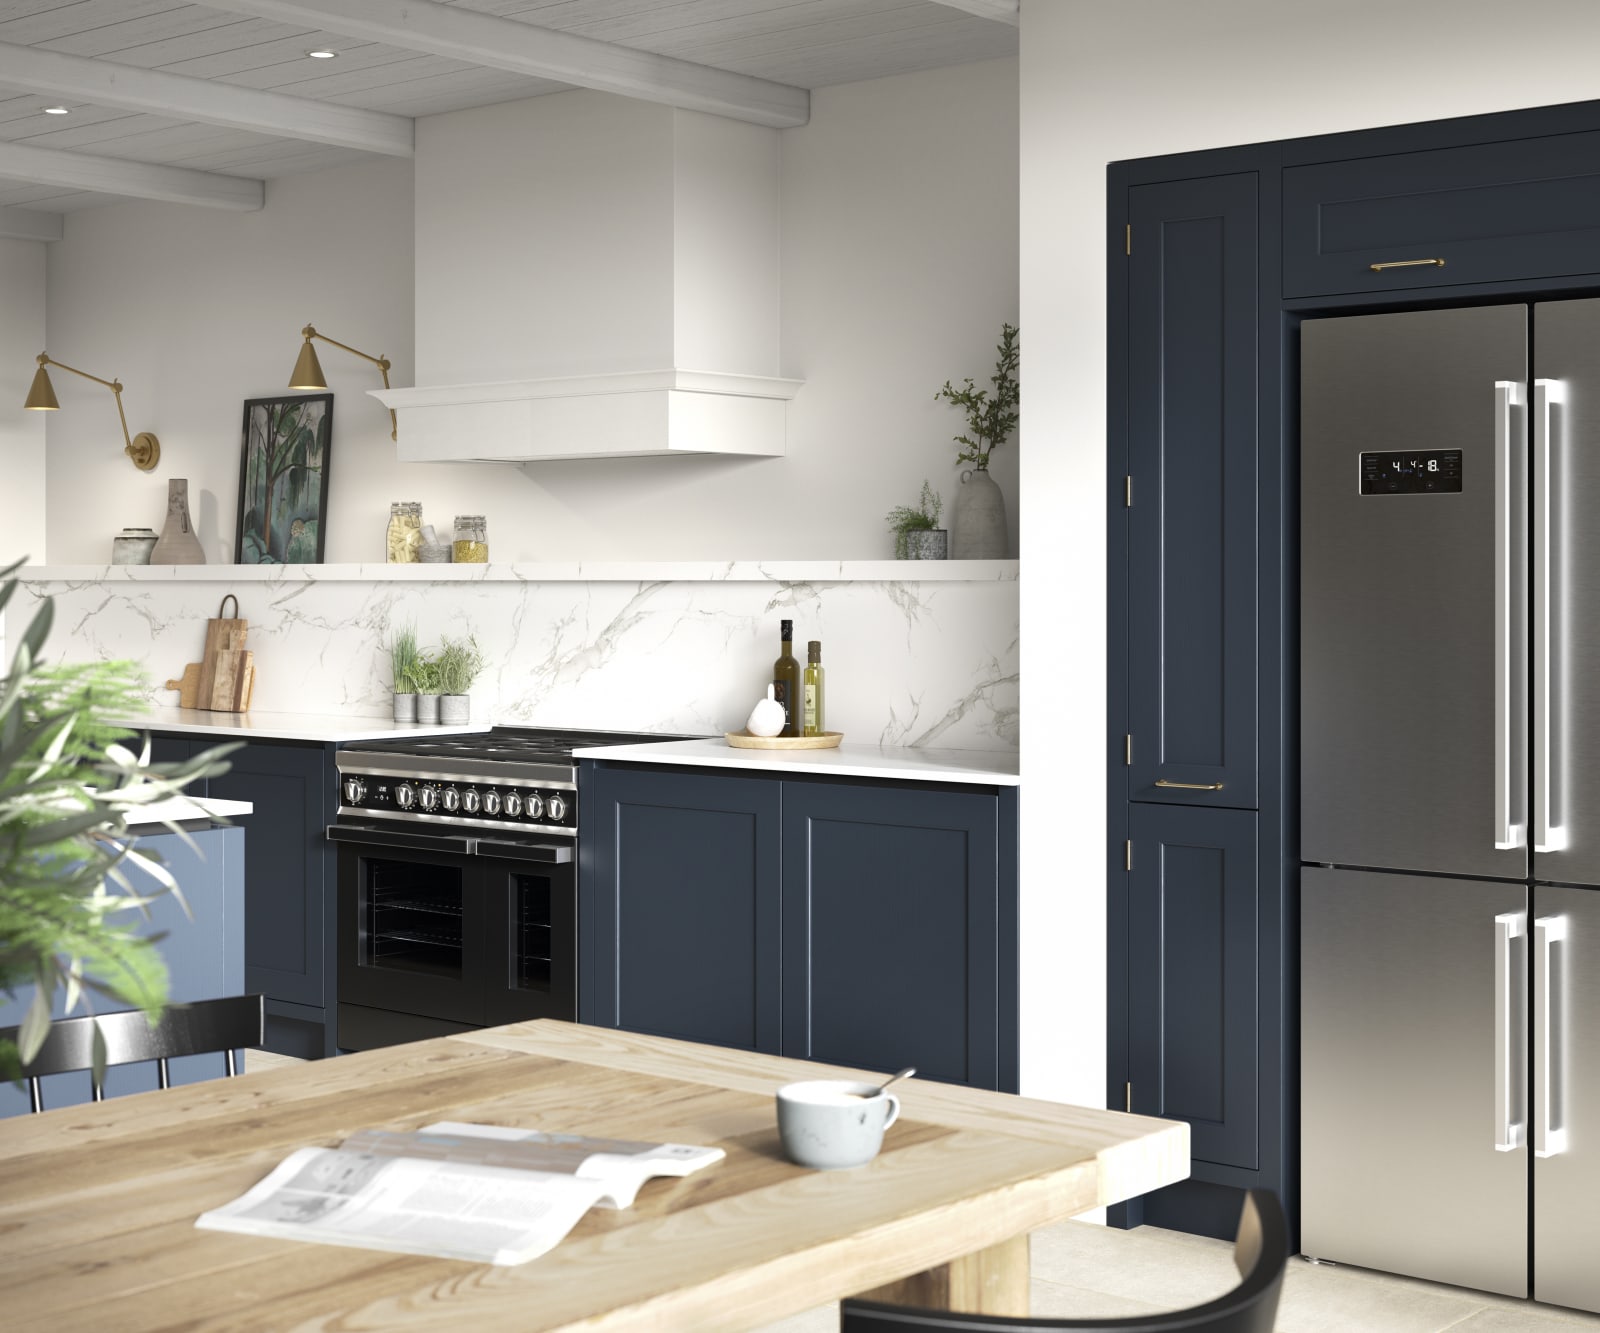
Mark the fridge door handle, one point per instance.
(1508, 929)
(1508, 395)
(1549, 1128)
(1547, 837)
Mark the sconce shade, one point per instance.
(307, 369)
(41, 393)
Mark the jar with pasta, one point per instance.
(472, 540)
(404, 535)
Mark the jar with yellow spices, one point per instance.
(472, 540)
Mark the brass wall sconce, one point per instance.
(308, 370)
(144, 449)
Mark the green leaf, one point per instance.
(35, 1025)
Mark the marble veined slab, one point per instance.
(997, 768)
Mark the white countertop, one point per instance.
(994, 768)
(325, 727)
(184, 810)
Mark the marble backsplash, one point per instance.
(909, 662)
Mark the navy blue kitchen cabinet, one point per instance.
(290, 876)
(855, 922)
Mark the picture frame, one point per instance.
(284, 452)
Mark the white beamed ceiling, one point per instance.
(801, 43)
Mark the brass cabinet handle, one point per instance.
(1406, 263)
(1190, 786)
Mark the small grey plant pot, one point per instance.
(455, 708)
(427, 708)
(405, 708)
(927, 544)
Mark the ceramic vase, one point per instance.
(455, 709)
(428, 708)
(133, 546)
(978, 518)
(405, 707)
(926, 544)
(177, 544)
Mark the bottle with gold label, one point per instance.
(812, 721)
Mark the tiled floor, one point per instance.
(1084, 1270)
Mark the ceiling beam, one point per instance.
(541, 53)
(1001, 11)
(140, 180)
(183, 97)
(26, 224)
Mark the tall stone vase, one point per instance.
(978, 518)
(177, 544)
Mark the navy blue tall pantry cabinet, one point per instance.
(1214, 260)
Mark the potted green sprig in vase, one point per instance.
(458, 663)
(917, 534)
(426, 676)
(404, 661)
(978, 517)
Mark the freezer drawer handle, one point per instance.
(1548, 1139)
(1190, 786)
(1508, 928)
(1406, 263)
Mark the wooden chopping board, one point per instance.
(233, 676)
(223, 635)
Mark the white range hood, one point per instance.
(596, 277)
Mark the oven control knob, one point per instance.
(557, 808)
(354, 790)
(491, 803)
(452, 800)
(404, 795)
(535, 805)
(470, 800)
(428, 797)
(513, 805)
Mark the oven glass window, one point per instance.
(411, 918)
(531, 932)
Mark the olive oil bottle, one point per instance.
(786, 682)
(812, 722)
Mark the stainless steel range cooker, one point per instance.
(457, 881)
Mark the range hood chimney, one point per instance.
(595, 277)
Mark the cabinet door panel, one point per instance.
(1192, 418)
(1195, 952)
(891, 934)
(685, 906)
(1520, 209)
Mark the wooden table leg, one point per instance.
(991, 1281)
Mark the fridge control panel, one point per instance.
(1417, 472)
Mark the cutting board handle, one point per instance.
(222, 610)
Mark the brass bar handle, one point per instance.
(1190, 786)
(1406, 263)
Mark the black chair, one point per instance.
(199, 1028)
(1260, 1251)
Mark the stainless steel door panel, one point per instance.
(1398, 683)
(1567, 368)
(1399, 1074)
(1566, 1097)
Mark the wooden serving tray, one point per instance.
(743, 740)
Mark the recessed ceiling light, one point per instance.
(322, 55)
(55, 111)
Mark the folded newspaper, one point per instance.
(484, 1193)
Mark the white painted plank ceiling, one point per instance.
(804, 44)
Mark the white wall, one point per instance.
(1100, 83)
(899, 218)
(22, 455)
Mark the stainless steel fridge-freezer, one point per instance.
(1450, 796)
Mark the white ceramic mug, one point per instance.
(834, 1123)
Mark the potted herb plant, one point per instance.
(426, 676)
(917, 534)
(458, 663)
(979, 513)
(404, 659)
(67, 785)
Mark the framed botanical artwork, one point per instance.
(283, 480)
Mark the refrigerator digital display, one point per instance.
(1421, 472)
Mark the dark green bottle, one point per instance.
(786, 682)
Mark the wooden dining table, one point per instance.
(98, 1203)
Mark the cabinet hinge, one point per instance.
(1127, 854)
(1127, 1097)
(1127, 749)
(1127, 492)
(1127, 239)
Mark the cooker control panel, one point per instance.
(471, 804)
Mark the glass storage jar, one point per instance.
(404, 534)
(472, 539)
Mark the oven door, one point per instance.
(440, 932)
